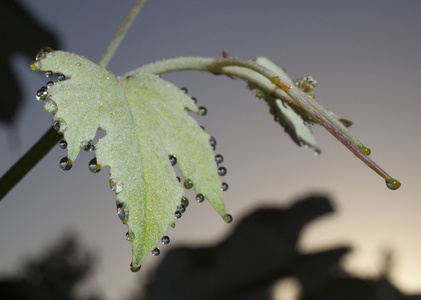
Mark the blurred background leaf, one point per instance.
(55, 274)
(20, 33)
(261, 251)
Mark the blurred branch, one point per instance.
(121, 33)
(28, 161)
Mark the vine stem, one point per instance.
(28, 161)
(51, 137)
(121, 33)
(276, 86)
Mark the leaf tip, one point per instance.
(42, 53)
(134, 268)
(35, 65)
(393, 184)
(228, 218)
(365, 150)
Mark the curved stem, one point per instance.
(266, 80)
(247, 70)
(121, 33)
(275, 85)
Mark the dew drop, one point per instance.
(65, 164)
(130, 236)
(42, 93)
(188, 183)
(116, 187)
(212, 141)
(50, 106)
(113, 187)
(49, 74)
(49, 84)
(165, 240)
(87, 146)
(200, 198)
(185, 90)
(61, 77)
(122, 211)
(173, 160)
(181, 209)
(177, 214)
(228, 218)
(306, 84)
(317, 152)
(56, 126)
(35, 65)
(59, 126)
(93, 166)
(62, 144)
(134, 269)
(156, 252)
(184, 201)
(393, 184)
(346, 123)
(194, 100)
(42, 53)
(219, 158)
(222, 171)
(202, 111)
(224, 186)
(178, 178)
(366, 150)
(259, 95)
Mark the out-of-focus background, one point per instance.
(366, 58)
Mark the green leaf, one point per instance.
(301, 96)
(146, 121)
(293, 122)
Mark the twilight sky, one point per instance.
(366, 58)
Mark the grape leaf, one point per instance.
(292, 121)
(146, 121)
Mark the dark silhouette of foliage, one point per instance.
(19, 33)
(261, 250)
(53, 276)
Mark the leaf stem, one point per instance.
(275, 85)
(121, 33)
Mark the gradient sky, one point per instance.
(366, 58)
